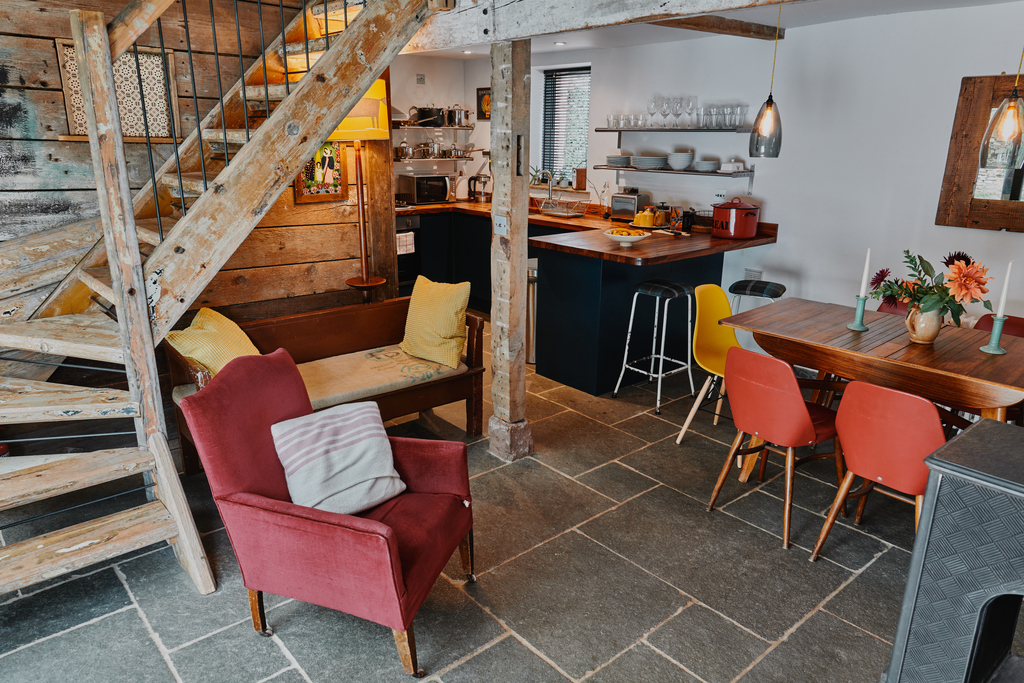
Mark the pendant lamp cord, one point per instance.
(772, 85)
(1018, 67)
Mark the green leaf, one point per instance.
(927, 267)
(954, 313)
(931, 302)
(988, 304)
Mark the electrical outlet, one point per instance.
(421, 79)
(752, 274)
(719, 196)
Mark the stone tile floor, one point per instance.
(596, 561)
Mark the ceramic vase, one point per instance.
(923, 327)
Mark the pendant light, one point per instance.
(1002, 145)
(766, 137)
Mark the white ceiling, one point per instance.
(794, 15)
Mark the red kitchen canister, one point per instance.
(735, 219)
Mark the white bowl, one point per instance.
(679, 164)
(626, 241)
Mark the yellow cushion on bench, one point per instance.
(436, 326)
(212, 340)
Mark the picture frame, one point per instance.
(483, 104)
(324, 178)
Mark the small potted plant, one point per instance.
(931, 295)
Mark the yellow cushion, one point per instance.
(436, 327)
(212, 340)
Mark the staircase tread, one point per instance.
(191, 183)
(276, 91)
(235, 136)
(79, 335)
(149, 230)
(25, 400)
(27, 478)
(59, 552)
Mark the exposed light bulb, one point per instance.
(1008, 128)
(766, 122)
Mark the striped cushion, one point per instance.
(436, 326)
(666, 289)
(762, 288)
(338, 460)
(212, 340)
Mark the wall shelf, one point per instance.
(620, 131)
(706, 174)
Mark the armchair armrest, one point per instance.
(432, 466)
(474, 341)
(337, 561)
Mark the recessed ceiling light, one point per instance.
(559, 42)
(467, 52)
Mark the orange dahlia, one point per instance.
(966, 281)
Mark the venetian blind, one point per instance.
(566, 119)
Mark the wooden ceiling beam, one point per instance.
(490, 21)
(724, 26)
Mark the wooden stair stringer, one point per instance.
(25, 401)
(202, 242)
(96, 337)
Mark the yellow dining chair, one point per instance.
(711, 344)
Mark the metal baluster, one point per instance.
(327, 30)
(195, 97)
(220, 87)
(344, 8)
(263, 52)
(241, 70)
(305, 34)
(149, 142)
(284, 48)
(170, 109)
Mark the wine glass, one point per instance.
(665, 108)
(677, 109)
(652, 108)
(690, 104)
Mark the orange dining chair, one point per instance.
(767, 405)
(886, 435)
(711, 343)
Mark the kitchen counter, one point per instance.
(588, 222)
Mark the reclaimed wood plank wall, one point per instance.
(298, 257)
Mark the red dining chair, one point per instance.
(1013, 326)
(898, 308)
(379, 564)
(886, 435)
(767, 406)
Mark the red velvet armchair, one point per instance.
(379, 564)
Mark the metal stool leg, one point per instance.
(654, 340)
(661, 358)
(625, 355)
(689, 341)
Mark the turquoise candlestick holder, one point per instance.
(858, 319)
(997, 332)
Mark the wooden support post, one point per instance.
(92, 51)
(510, 436)
(380, 219)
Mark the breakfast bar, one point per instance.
(585, 285)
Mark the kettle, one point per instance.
(481, 194)
(462, 188)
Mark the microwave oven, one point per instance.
(625, 206)
(425, 188)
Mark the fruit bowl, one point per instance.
(627, 237)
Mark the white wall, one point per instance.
(867, 107)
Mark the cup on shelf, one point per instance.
(612, 120)
(622, 121)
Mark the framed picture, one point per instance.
(324, 178)
(483, 104)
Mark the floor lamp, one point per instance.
(368, 120)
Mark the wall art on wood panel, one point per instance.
(324, 178)
(483, 104)
(126, 85)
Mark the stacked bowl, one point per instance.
(705, 166)
(617, 160)
(649, 163)
(677, 161)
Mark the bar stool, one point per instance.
(667, 290)
(761, 289)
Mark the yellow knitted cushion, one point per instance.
(436, 327)
(212, 340)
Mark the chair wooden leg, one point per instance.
(466, 555)
(918, 500)
(406, 642)
(718, 406)
(751, 460)
(837, 453)
(868, 485)
(259, 615)
(837, 504)
(788, 512)
(764, 464)
(817, 394)
(475, 409)
(725, 469)
(693, 410)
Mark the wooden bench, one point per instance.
(334, 332)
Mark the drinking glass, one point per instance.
(727, 118)
(623, 121)
(640, 120)
(652, 108)
(703, 120)
(716, 117)
(677, 109)
(665, 107)
(611, 120)
(741, 115)
(690, 104)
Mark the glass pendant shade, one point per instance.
(1003, 144)
(766, 137)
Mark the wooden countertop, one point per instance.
(588, 222)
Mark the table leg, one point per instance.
(995, 413)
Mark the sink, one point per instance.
(563, 208)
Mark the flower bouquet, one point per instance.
(932, 295)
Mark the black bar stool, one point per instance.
(761, 289)
(667, 290)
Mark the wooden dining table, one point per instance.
(952, 371)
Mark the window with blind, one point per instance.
(566, 119)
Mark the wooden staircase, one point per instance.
(224, 178)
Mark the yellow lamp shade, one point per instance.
(369, 119)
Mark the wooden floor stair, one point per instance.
(25, 401)
(81, 335)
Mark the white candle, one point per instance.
(864, 277)
(1006, 288)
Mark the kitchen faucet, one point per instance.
(550, 180)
